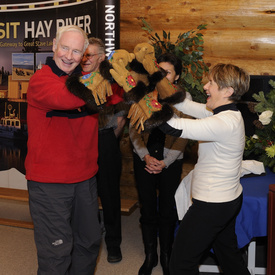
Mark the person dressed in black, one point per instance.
(158, 160)
(111, 121)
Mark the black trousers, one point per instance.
(66, 228)
(108, 184)
(207, 225)
(157, 208)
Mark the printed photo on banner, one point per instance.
(22, 66)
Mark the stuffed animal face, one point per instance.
(121, 55)
(144, 50)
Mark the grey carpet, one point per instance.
(18, 252)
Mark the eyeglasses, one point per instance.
(90, 56)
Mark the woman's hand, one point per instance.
(153, 166)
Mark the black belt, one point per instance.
(105, 131)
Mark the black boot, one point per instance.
(149, 234)
(166, 238)
(164, 261)
(150, 262)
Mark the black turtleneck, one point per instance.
(227, 107)
(51, 63)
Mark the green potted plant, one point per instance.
(189, 48)
(261, 146)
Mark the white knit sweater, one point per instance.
(216, 176)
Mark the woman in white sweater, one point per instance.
(216, 189)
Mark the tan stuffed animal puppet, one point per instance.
(121, 54)
(149, 113)
(145, 54)
(119, 60)
(100, 87)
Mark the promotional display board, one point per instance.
(27, 30)
(30, 28)
(108, 24)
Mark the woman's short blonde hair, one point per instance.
(228, 75)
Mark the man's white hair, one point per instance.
(74, 28)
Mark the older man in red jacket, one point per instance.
(61, 163)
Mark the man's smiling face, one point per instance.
(92, 59)
(68, 51)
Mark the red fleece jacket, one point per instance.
(62, 148)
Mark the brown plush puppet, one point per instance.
(150, 93)
(100, 87)
(93, 88)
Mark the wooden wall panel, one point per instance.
(238, 31)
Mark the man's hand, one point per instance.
(120, 125)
